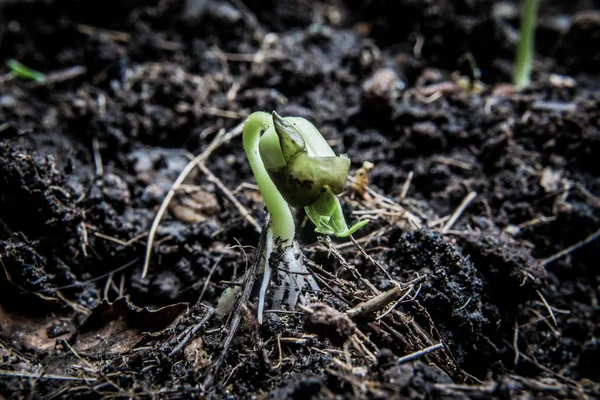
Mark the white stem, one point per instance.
(289, 279)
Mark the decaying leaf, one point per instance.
(361, 182)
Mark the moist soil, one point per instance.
(484, 201)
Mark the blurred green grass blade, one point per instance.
(25, 72)
(526, 47)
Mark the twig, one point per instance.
(242, 210)
(251, 19)
(210, 273)
(371, 259)
(595, 200)
(570, 249)
(60, 76)
(393, 306)
(124, 37)
(364, 341)
(535, 221)
(74, 305)
(224, 113)
(309, 265)
(461, 208)
(33, 375)
(122, 285)
(452, 162)
(97, 157)
(548, 370)
(77, 355)
(217, 141)
(547, 306)
(376, 303)
(220, 56)
(280, 361)
(557, 106)
(107, 287)
(438, 221)
(362, 349)
(545, 319)
(516, 343)
(385, 202)
(509, 384)
(464, 305)
(381, 300)
(192, 332)
(405, 187)
(419, 42)
(420, 353)
(117, 240)
(117, 36)
(349, 267)
(114, 271)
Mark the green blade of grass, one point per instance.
(25, 72)
(525, 49)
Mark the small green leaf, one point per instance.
(25, 72)
(326, 213)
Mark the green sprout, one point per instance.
(25, 72)
(294, 166)
(525, 49)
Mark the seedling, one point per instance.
(293, 166)
(525, 49)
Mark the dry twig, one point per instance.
(420, 353)
(42, 375)
(459, 211)
(570, 249)
(242, 210)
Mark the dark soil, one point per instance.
(134, 87)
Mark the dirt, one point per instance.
(503, 298)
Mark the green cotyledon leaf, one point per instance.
(305, 178)
(326, 213)
(300, 161)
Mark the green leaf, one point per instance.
(326, 213)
